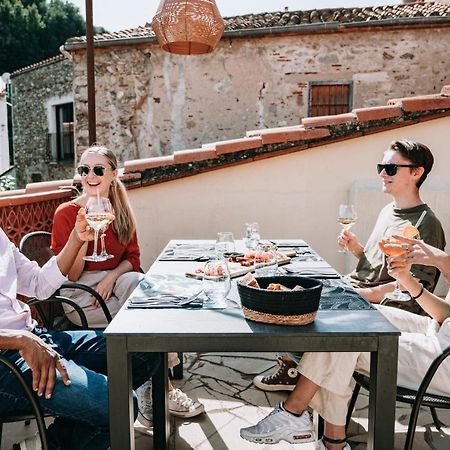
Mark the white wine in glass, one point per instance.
(347, 218)
(98, 216)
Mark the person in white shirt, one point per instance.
(66, 369)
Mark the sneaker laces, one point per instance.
(181, 399)
(292, 372)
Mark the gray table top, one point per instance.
(196, 324)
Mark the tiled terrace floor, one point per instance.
(224, 384)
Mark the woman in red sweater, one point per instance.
(116, 278)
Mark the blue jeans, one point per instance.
(81, 409)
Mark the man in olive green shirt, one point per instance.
(404, 168)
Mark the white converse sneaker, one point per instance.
(145, 404)
(181, 405)
(31, 443)
(281, 425)
(321, 446)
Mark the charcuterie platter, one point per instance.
(239, 263)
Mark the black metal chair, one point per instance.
(34, 404)
(415, 398)
(36, 246)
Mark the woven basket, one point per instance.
(281, 307)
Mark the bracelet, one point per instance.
(419, 294)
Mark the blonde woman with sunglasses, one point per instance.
(115, 278)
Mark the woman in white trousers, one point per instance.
(326, 381)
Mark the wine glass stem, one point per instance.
(102, 240)
(94, 253)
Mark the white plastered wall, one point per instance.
(291, 196)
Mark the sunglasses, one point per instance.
(391, 169)
(84, 170)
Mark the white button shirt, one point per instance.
(19, 275)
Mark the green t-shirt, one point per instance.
(372, 267)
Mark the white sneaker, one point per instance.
(181, 405)
(145, 404)
(281, 425)
(31, 443)
(321, 446)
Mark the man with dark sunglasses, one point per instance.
(404, 168)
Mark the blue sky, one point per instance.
(117, 15)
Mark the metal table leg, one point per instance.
(383, 388)
(161, 426)
(120, 398)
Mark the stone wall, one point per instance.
(152, 103)
(32, 90)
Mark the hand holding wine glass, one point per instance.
(346, 217)
(393, 247)
(98, 216)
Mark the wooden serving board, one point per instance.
(237, 270)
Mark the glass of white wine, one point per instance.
(98, 216)
(347, 218)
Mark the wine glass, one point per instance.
(104, 253)
(216, 283)
(98, 215)
(224, 243)
(251, 235)
(396, 294)
(347, 218)
(266, 262)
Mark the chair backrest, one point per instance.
(36, 246)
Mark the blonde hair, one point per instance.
(124, 224)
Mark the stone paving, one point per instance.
(223, 382)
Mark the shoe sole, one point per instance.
(292, 439)
(187, 414)
(273, 387)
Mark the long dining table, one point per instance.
(345, 322)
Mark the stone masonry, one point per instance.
(151, 103)
(31, 91)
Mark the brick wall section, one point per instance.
(32, 89)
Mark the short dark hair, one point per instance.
(417, 153)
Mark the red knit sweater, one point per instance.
(63, 223)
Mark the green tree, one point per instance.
(33, 30)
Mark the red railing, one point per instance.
(21, 214)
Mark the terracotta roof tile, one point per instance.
(267, 20)
(275, 137)
(37, 65)
(237, 145)
(377, 113)
(323, 121)
(148, 163)
(199, 154)
(422, 103)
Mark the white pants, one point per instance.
(421, 341)
(123, 288)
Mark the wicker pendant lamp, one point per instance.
(187, 27)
